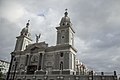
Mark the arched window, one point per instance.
(63, 37)
(61, 65)
(61, 54)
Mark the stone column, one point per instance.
(27, 62)
(29, 59)
(38, 62)
(42, 61)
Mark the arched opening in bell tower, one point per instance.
(61, 65)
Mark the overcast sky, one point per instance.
(96, 23)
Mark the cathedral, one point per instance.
(38, 61)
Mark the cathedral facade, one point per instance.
(38, 61)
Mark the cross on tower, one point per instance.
(66, 9)
(66, 13)
(27, 23)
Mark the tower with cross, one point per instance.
(24, 39)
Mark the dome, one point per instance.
(65, 20)
(25, 31)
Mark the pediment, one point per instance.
(34, 48)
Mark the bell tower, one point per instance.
(24, 39)
(66, 54)
(65, 32)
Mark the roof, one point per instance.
(5, 61)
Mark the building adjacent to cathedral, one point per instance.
(38, 61)
(4, 66)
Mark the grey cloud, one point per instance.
(8, 32)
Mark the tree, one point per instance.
(1, 74)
